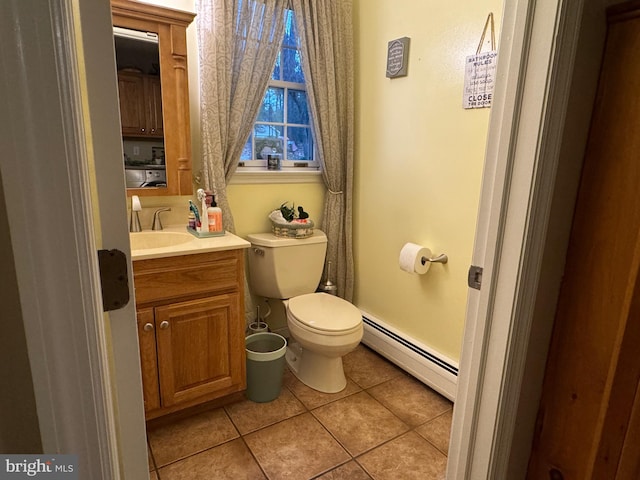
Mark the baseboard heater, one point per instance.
(428, 366)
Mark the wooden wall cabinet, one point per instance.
(140, 105)
(171, 26)
(190, 328)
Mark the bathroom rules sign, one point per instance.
(479, 79)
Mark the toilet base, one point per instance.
(319, 372)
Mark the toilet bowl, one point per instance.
(324, 328)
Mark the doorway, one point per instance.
(586, 427)
(104, 143)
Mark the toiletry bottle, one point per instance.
(192, 221)
(214, 215)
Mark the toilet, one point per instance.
(323, 327)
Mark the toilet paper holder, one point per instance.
(442, 258)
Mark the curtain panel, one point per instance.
(238, 43)
(326, 36)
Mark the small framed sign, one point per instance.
(398, 57)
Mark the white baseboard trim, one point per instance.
(430, 367)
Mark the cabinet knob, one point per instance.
(164, 324)
(148, 327)
(142, 130)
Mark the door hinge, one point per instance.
(474, 279)
(114, 280)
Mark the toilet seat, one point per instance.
(324, 313)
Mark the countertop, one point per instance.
(228, 241)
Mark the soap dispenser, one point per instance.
(214, 216)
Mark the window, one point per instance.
(283, 127)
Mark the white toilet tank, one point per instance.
(285, 267)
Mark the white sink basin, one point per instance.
(158, 239)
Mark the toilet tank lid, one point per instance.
(270, 240)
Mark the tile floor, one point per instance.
(384, 425)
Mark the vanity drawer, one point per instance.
(169, 278)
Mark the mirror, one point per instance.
(151, 58)
(140, 94)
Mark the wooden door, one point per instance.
(588, 421)
(198, 348)
(148, 359)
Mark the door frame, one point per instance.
(537, 135)
(64, 197)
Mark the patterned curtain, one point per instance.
(238, 41)
(326, 36)
(238, 44)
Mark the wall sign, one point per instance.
(479, 79)
(480, 72)
(398, 57)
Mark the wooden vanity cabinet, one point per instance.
(191, 329)
(140, 105)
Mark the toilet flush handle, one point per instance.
(258, 251)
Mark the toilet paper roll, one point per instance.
(411, 258)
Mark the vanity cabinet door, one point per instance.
(140, 105)
(154, 106)
(132, 104)
(148, 359)
(200, 348)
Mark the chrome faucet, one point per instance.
(134, 223)
(157, 224)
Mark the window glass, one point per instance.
(272, 109)
(299, 143)
(297, 107)
(283, 124)
(292, 63)
(268, 139)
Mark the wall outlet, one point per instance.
(136, 150)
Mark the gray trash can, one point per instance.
(265, 365)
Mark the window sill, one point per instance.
(252, 175)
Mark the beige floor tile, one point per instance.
(249, 416)
(190, 435)
(229, 461)
(359, 422)
(438, 431)
(411, 400)
(312, 398)
(367, 368)
(409, 457)
(348, 471)
(295, 449)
